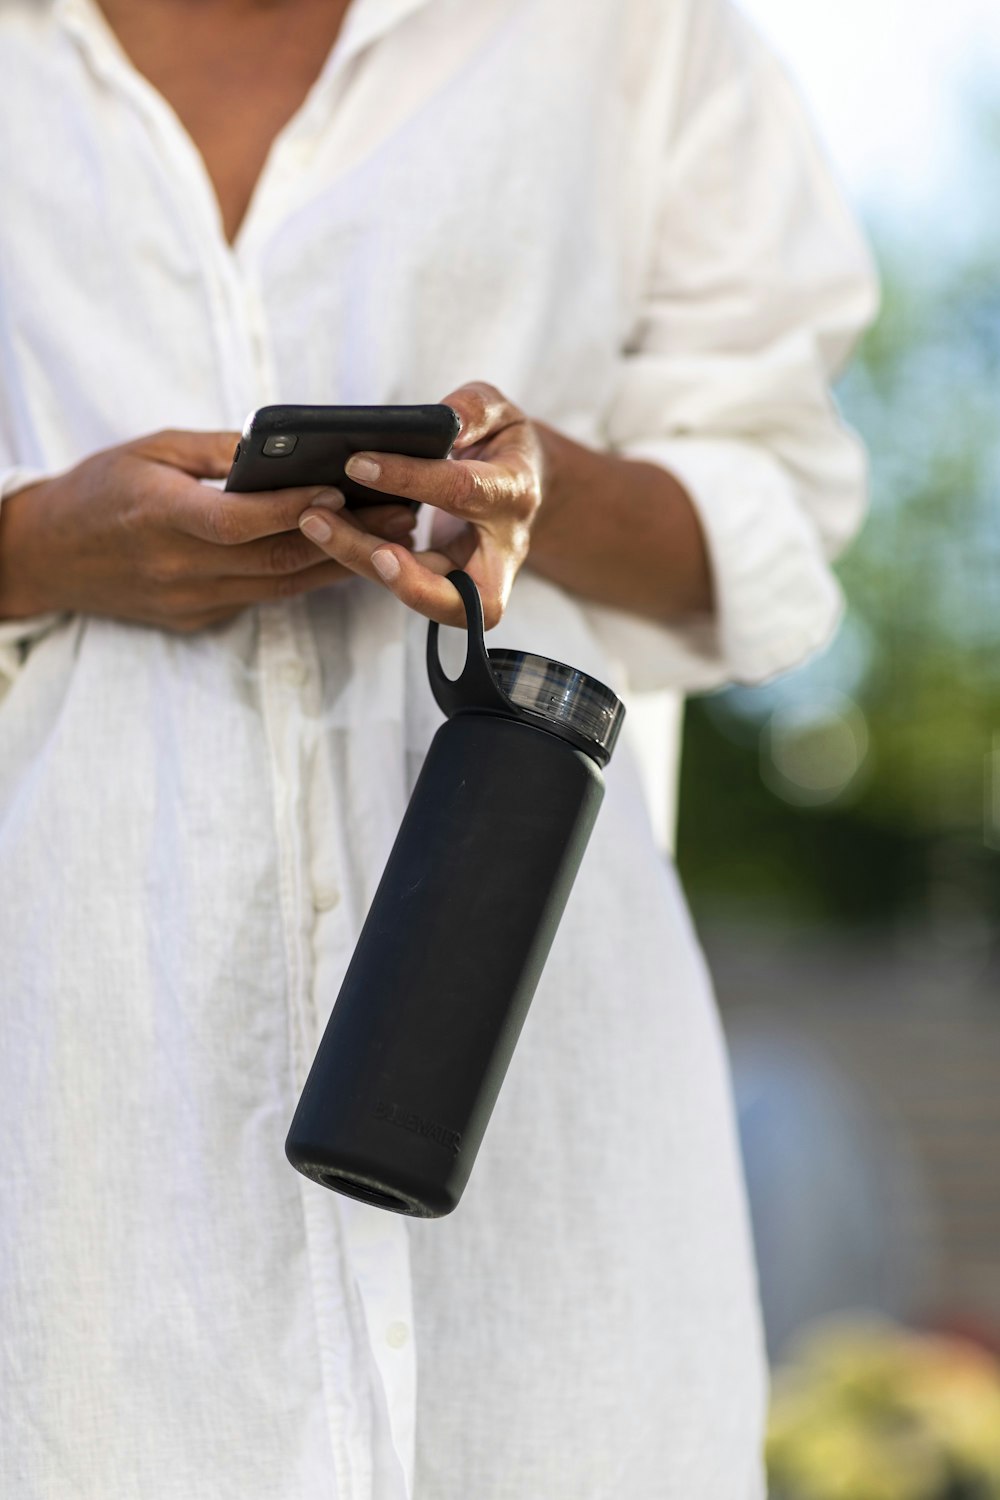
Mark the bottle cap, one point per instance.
(561, 696)
(518, 685)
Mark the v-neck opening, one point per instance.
(364, 22)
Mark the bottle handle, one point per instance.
(475, 686)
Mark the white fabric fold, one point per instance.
(753, 287)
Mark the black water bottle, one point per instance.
(405, 1079)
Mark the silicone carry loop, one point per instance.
(476, 685)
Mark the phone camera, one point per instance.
(279, 446)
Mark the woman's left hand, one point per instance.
(488, 495)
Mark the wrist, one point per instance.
(562, 462)
(24, 583)
(619, 531)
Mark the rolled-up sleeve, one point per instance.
(754, 288)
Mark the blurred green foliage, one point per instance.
(910, 828)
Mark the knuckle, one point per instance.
(138, 505)
(529, 499)
(476, 409)
(478, 403)
(223, 524)
(286, 554)
(160, 444)
(525, 490)
(492, 608)
(180, 602)
(171, 613)
(162, 570)
(288, 585)
(461, 489)
(482, 396)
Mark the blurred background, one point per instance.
(839, 834)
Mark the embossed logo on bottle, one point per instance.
(407, 1119)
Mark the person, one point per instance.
(603, 232)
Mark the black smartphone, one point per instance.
(286, 446)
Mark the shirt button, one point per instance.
(325, 897)
(293, 673)
(396, 1335)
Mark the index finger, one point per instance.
(227, 518)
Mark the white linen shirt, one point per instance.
(612, 210)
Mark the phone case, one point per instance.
(290, 446)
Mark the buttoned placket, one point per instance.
(374, 1248)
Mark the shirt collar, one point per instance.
(367, 20)
(364, 23)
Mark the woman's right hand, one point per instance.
(132, 533)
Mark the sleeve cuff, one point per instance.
(776, 599)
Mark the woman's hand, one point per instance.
(133, 534)
(488, 495)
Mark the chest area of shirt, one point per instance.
(232, 81)
(455, 210)
(488, 113)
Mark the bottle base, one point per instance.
(368, 1193)
(358, 1180)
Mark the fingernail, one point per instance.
(315, 528)
(386, 565)
(365, 469)
(400, 525)
(330, 499)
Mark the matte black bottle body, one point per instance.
(417, 1046)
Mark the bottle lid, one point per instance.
(562, 697)
(518, 685)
